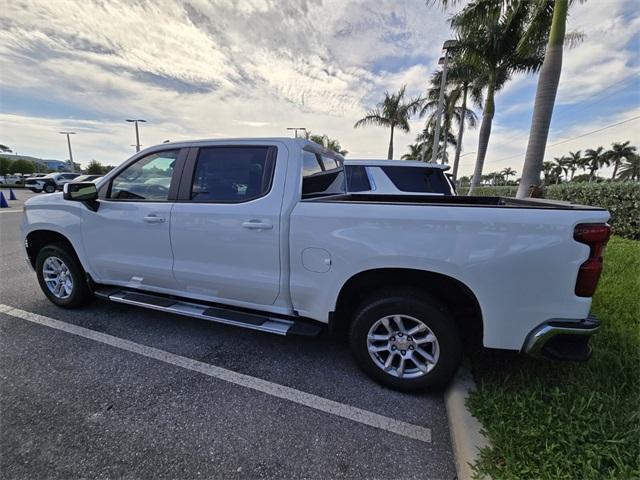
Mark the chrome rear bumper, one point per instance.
(562, 339)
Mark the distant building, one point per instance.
(44, 164)
(56, 165)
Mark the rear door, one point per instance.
(127, 240)
(225, 227)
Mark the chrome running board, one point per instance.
(253, 321)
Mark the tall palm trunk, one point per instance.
(390, 154)
(545, 99)
(456, 160)
(445, 134)
(485, 133)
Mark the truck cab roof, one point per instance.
(395, 163)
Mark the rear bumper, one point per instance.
(562, 339)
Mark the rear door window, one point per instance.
(232, 174)
(418, 179)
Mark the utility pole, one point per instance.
(448, 45)
(135, 122)
(295, 129)
(72, 165)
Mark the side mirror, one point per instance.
(85, 192)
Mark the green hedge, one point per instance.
(621, 199)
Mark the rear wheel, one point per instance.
(405, 339)
(61, 277)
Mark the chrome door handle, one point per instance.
(257, 225)
(153, 219)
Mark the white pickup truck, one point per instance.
(259, 233)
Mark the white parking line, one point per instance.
(10, 210)
(355, 414)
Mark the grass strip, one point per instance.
(559, 420)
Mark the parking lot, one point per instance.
(118, 391)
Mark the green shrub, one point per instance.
(499, 191)
(621, 199)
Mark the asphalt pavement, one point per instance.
(114, 391)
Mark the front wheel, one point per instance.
(49, 188)
(406, 340)
(61, 277)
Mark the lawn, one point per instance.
(561, 420)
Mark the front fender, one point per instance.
(54, 214)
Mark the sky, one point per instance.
(250, 68)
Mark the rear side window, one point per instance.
(418, 179)
(310, 164)
(232, 174)
(319, 178)
(357, 178)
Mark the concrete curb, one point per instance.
(465, 429)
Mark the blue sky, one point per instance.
(210, 69)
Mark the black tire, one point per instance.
(80, 293)
(418, 304)
(48, 188)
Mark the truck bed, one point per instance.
(462, 201)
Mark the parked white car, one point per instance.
(261, 234)
(51, 182)
(397, 177)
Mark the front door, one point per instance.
(225, 228)
(127, 240)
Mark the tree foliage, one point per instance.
(394, 111)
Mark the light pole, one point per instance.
(448, 45)
(295, 129)
(69, 145)
(135, 121)
(454, 173)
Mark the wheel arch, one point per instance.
(453, 293)
(37, 239)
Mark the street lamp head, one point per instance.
(449, 44)
(133, 120)
(67, 133)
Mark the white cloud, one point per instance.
(207, 69)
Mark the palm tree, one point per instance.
(467, 81)
(619, 152)
(415, 152)
(630, 170)
(594, 159)
(328, 143)
(393, 112)
(508, 172)
(574, 161)
(450, 112)
(547, 18)
(462, 79)
(425, 140)
(547, 168)
(559, 168)
(491, 34)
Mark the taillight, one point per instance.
(596, 235)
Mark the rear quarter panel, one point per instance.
(520, 263)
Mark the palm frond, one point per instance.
(373, 117)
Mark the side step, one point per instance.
(253, 321)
